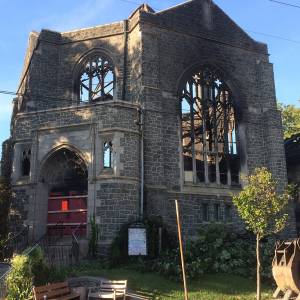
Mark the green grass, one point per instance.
(209, 287)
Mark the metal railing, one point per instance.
(19, 244)
(16, 243)
(75, 245)
(56, 254)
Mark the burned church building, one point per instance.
(119, 120)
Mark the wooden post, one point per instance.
(181, 251)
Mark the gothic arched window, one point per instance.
(107, 155)
(209, 140)
(25, 163)
(97, 80)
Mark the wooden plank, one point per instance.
(66, 224)
(298, 298)
(58, 292)
(110, 288)
(113, 286)
(63, 297)
(277, 292)
(66, 211)
(67, 197)
(69, 297)
(49, 287)
(287, 295)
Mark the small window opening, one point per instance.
(217, 216)
(228, 213)
(25, 164)
(205, 213)
(107, 155)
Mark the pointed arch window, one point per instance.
(107, 155)
(25, 162)
(96, 80)
(209, 142)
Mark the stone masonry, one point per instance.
(152, 53)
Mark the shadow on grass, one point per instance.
(154, 286)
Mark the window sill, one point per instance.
(210, 189)
(212, 222)
(25, 180)
(107, 171)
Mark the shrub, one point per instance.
(216, 250)
(19, 280)
(57, 274)
(28, 270)
(39, 268)
(119, 247)
(93, 242)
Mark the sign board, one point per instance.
(137, 242)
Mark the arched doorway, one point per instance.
(65, 174)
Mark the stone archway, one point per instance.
(62, 194)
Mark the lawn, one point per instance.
(209, 287)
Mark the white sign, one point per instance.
(137, 242)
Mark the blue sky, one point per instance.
(19, 17)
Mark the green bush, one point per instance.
(58, 274)
(119, 248)
(39, 268)
(93, 242)
(28, 270)
(216, 250)
(19, 281)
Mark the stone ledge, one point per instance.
(113, 103)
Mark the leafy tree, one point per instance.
(19, 279)
(5, 195)
(263, 209)
(290, 119)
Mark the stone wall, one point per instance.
(116, 204)
(6, 158)
(191, 205)
(55, 60)
(84, 131)
(152, 54)
(174, 43)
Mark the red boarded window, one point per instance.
(64, 205)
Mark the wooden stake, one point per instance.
(181, 251)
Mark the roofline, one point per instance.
(91, 27)
(173, 7)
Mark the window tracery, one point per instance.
(209, 140)
(97, 80)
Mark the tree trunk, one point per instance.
(258, 290)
